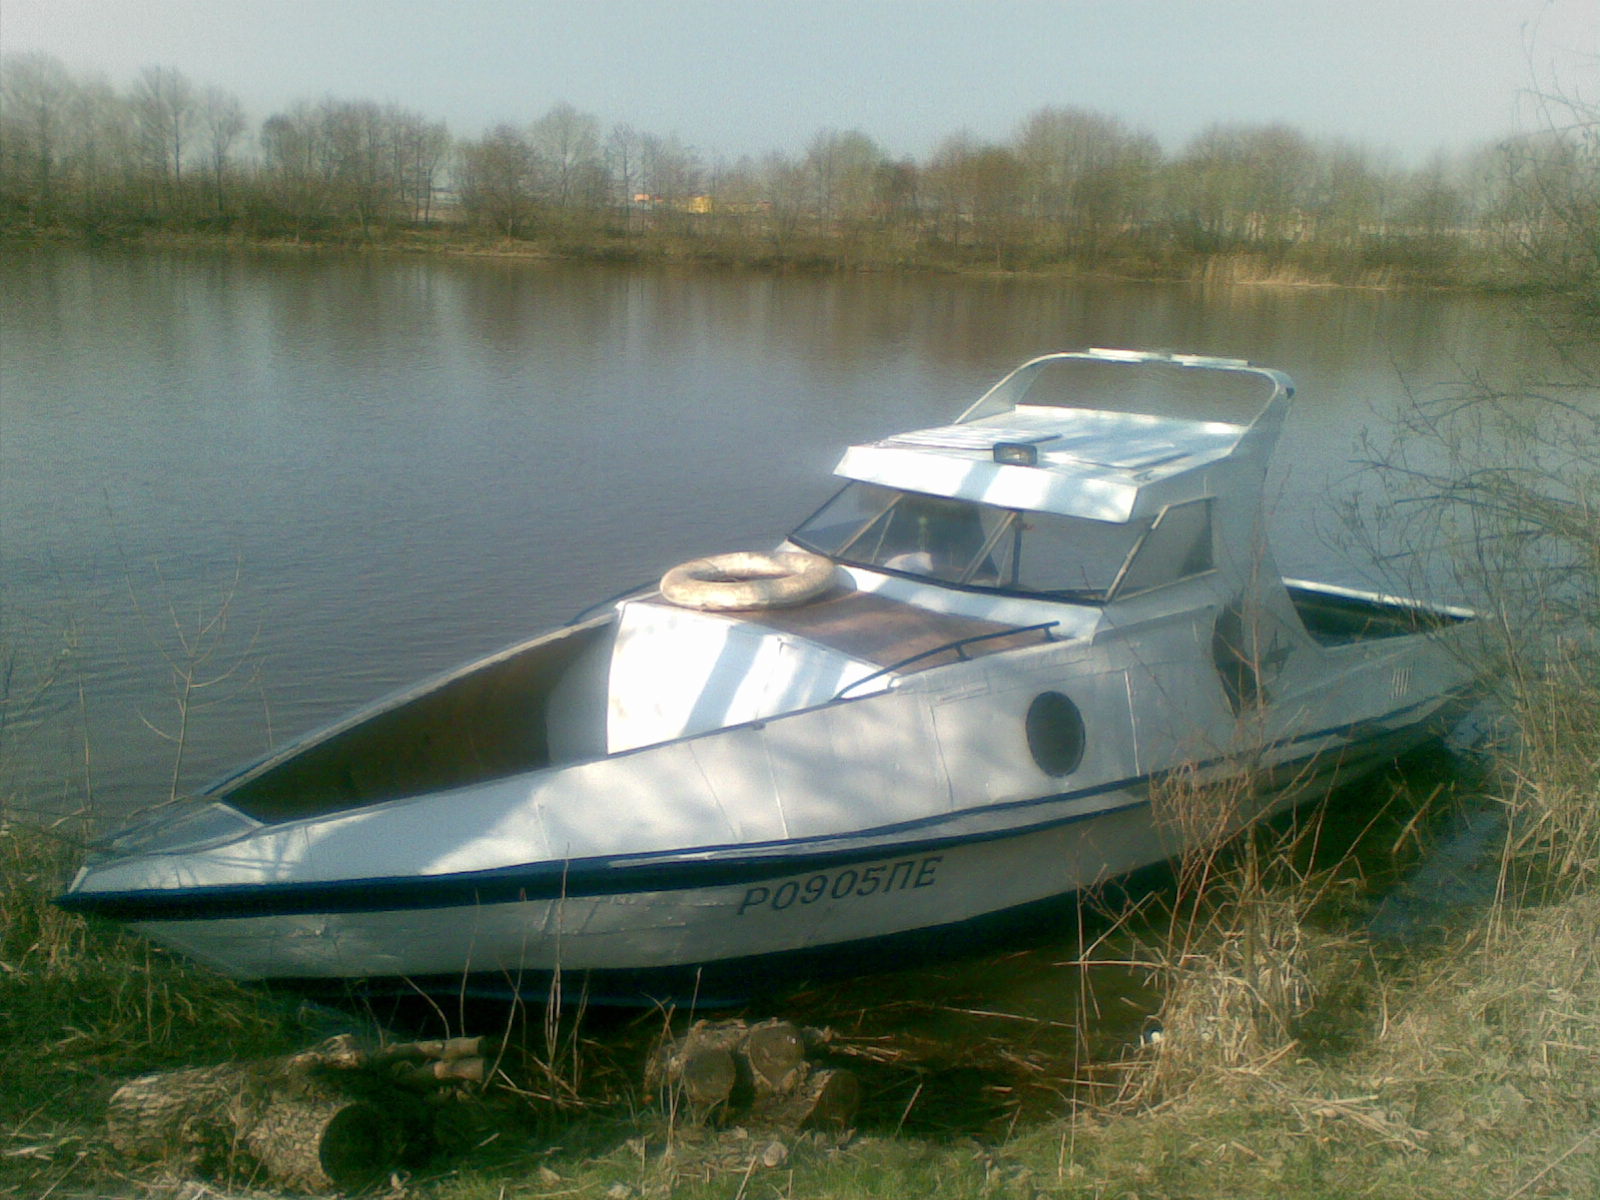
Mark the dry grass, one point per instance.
(1469, 1064)
(81, 1008)
(1553, 778)
(1237, 957)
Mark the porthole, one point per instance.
(1055, 733)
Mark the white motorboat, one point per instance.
(946, 704)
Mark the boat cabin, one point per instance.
(1020, 516)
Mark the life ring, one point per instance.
(744, 579)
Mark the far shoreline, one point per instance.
(818, 256)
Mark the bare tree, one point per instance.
(1084, 171)
(622, 165)
(783, 195)
(1243, 184)
(1550, 211)
(977, 187)
(1432, 204)
(105, 154)
(164, 110)
(566, 146)
(895, 187)
(356, 135)
(1349, 196)
(222, 123)
(496, 176)
(421, 148)
(36, 92)
(843, 169)
(670, 170)
(294, 164)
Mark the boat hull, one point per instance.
(718, 928)
(1040, 626)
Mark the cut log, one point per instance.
(777, 1054)
(758, 1073)
(322, 1142)
(173, 1114)
(827, 1098)
(340, 1116)
(708, 1076)
(302, 1133)
(444, 1070)
(444, 1050)
(700, 1068)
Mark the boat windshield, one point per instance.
(1001, 549)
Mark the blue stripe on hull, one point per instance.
(710, 866)
(509, 885)
(727, 983)
(730, 982)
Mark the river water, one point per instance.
(301, 481)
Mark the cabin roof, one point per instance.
(1089, 462)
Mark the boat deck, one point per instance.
(891, 633)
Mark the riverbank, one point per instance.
(736, 246)
(1452, 1066)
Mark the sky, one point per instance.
(734, 77)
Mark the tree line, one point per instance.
(1070, 186)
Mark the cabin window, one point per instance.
(943, 539)
(973, 545)
(1237, 658)
(1177, 546)
(1072, 557)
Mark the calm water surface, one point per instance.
(330, 476)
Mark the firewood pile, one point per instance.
(347, 1115)
(342, 1115)
(761, 1074)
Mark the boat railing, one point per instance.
(638, 589)
(959, 645)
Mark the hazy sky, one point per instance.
(746, 76)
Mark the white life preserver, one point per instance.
(744, 579)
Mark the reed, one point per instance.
(1233, 949)
(1551, 779)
